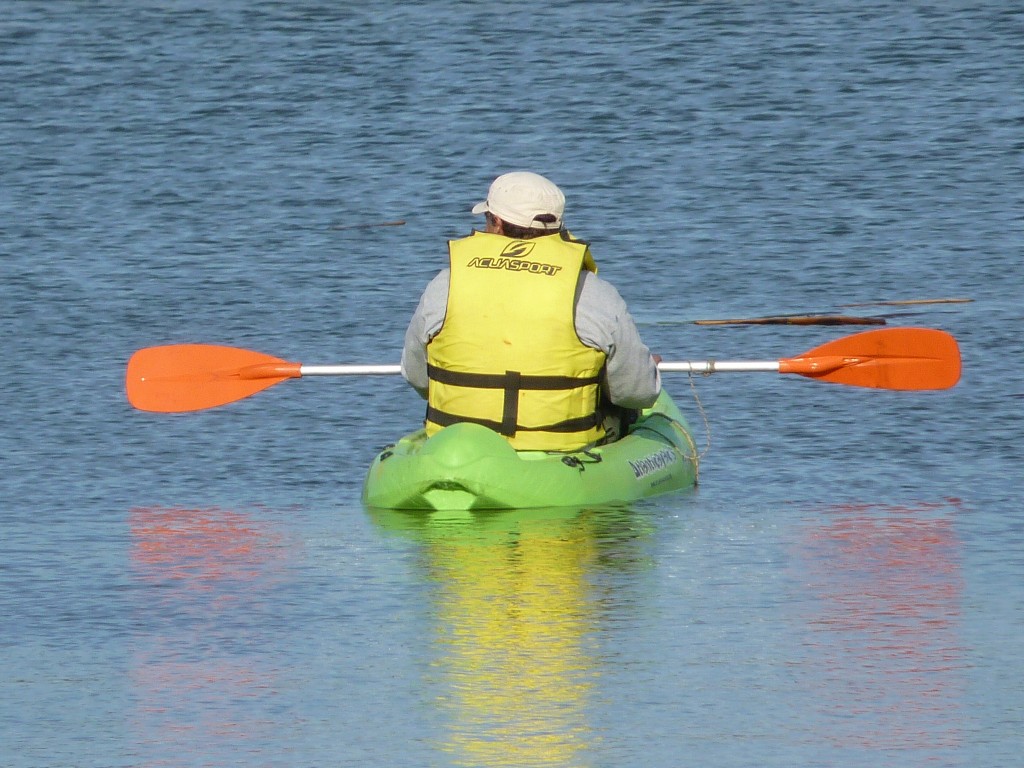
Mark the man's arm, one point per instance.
(603, 322)
(426, 321)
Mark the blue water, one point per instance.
(845, 587)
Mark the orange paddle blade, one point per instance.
(890, 358)
(191, 377)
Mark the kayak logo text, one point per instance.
(651, 464)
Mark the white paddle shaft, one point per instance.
(684, 366)
(718, 366)
(349, 370)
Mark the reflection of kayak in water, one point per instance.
(515, 617)
(467, 466)
(485, 526)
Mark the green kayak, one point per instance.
(467, 466)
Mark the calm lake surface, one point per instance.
(844, 588)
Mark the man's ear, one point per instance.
(495, 225)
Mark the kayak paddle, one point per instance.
(890, 358)
(190, 377)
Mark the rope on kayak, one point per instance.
(698, 457)
(576, 462)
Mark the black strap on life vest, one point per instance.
(512, 382)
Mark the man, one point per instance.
(519, 334)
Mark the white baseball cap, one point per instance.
(526, 200)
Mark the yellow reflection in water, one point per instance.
(515, 620)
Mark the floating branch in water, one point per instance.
(798, 320)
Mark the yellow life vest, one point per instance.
(507, 355)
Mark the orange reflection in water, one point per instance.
(199, 659)
(886, 662)
(199, 547)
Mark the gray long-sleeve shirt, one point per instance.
(602, 322)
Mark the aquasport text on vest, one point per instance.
(513, 265)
